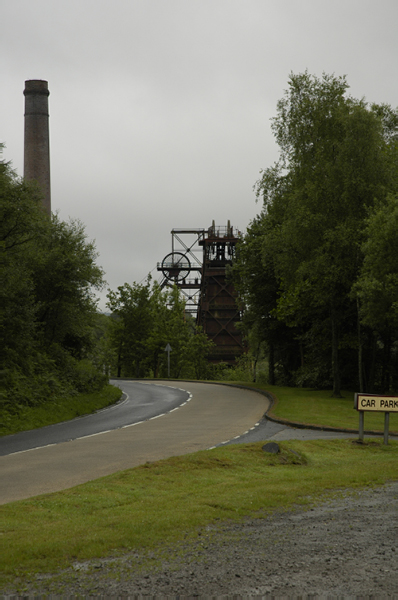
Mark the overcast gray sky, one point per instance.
(160, 109)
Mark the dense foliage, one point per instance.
(318, 268)
(48, 309)
(145, 319)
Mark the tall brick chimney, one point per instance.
(37, 139)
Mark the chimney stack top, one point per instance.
(36, 86)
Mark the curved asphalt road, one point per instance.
(215, 414)
(139, 403)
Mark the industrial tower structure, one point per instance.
(37, 138)
(197, 264)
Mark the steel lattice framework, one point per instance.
(197, 265)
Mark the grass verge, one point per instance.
(57, 411)
(317, 407)
(164, 502)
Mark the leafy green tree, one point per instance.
(190, 346)
(198, 349)
(254, 278)
(338, 156)
(133, 322)
(103, 354)
(66, 277)
(21, 224)
(145, 319)
(377, 286)
(48, 273)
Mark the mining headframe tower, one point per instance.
(197, 265)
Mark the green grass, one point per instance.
(57, 411)
(136, 509)
(317, 407)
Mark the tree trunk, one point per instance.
(271, 364)
(335, 356)
(156, 365)
(372, 370)
(385, 377)
(360, 368)
(119, 361)
(255, 361)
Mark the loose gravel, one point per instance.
(346, 547)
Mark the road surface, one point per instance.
(213, 415)
(139, 403)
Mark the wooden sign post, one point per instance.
(376, 403)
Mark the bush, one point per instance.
(87, 378)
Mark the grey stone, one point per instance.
(271, 447)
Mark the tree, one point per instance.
(21, 224)
(376, 289)
(145, 319)
(47, 301)
(254, 278)
(66, 277)
(377, 285)
(337, 158)
(190, 346)
(133, 322)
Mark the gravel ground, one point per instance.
(345, 548)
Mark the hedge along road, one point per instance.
(211, 415)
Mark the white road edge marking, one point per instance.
(30, 449)
(236, 437)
